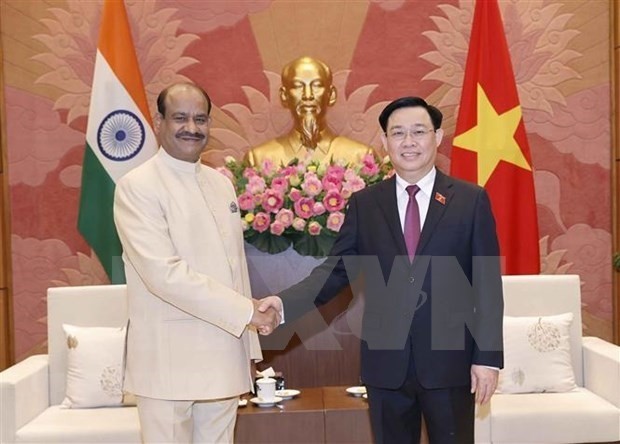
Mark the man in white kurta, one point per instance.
(189, 343)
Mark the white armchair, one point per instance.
(31, 391)
(591, 413)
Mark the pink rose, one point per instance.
(318, 208)
(299, 224)
(332, 182)
(312, 185)
(288, 171)
(249, 172)
(261, 222)
(256, 185)
(246, 201)
(335, 171)
(349, 174)
(226, 172)
(295, 194)
(276, 228)
(314, 228)
(335, 220)
(267, 168)
(346, 193)
(333, 201)
(272, 201)
(354, 184)
(285, 217)
(303, 207)
(280, 184)
(370, 167)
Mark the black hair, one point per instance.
(410, 102)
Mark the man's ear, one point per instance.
(438, 136)
(283, 96)
(157, 121)
(333, 95)
(384, 141)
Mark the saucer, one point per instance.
(243, 402)
(263, 403)
(356, 391)
(287, 394)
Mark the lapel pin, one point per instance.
(440, 198)
(233, 207)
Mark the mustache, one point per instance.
(188, 134)
(301, 108)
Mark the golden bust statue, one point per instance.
(307, 91)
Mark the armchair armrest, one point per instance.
(601, 368)
(24, 394)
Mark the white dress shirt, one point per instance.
(423, 197)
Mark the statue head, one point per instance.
(307, 91)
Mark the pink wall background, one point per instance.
(379, 50)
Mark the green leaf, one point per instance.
(267, 242)
(316, 246)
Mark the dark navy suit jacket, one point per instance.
(444, 311)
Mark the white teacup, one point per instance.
(266, 389)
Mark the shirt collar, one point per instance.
(180, 165)
(425, 184)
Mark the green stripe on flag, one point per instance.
(96, 218)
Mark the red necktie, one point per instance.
(412, 222)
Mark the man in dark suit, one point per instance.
(425, 247)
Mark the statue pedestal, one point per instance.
(322, 347)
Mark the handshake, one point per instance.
(267, 315)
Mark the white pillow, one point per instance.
(94, 366)
(537, 355)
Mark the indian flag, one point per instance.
(119, 135)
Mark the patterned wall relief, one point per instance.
(377, 49)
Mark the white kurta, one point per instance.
(187, 282)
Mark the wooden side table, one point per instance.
(301, 420)
(346, 417)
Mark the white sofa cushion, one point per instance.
(537, 355)
(94, 366)
(103, 425)
(576, 416)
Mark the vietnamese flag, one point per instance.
(490, 145)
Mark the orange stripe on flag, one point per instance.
(116, 46)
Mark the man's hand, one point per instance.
(271, 302)
(265, 319)
(483, 382)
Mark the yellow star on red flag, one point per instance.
(493, 138)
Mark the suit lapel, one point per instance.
(440, 199)
(386, 199)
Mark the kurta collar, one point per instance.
(180, 165)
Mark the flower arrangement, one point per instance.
(300, 204)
